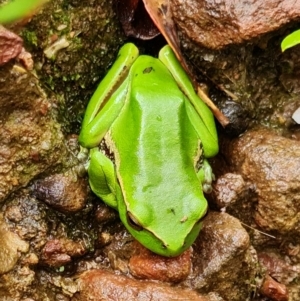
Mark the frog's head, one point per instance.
(163, 231)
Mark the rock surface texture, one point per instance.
(215, 24)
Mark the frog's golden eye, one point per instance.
(132, 221)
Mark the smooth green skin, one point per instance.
(153, 130)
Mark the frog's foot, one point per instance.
(83, 154)
(206, 176)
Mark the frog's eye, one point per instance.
(132, 221)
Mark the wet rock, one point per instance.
(103, 285)
(27, 218)
(39, 225)
(146, 265)
(231, 194)
(105, 214)
(10, 246)
(227, 189)
(15, 282)
(215, 24)
(30, 139)
(223, 260)
(10, 45)
(271, 163)
(58, 252)
(237, 116)
(64, 192)
(273, 290)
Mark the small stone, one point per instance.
(58, 252)
(274, 290)
(105, 214)
(64, 192)
(10, 246)
(227, 189)
(147, 265)
(13, 213)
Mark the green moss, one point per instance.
(94, 36)
(30, 38)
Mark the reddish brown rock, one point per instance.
(147, 265)
(274, 290)
(58, 252)
(102, 285)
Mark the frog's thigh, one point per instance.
(126, 56)
(210, 145)
(92, 133)
(102, 178)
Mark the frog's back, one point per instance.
(156, 147)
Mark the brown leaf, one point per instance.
(160, 12)
(10, 45)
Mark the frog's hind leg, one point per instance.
(198, 112)
(209, 142)
(102, 178)
(92, 133)
(108, 99)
